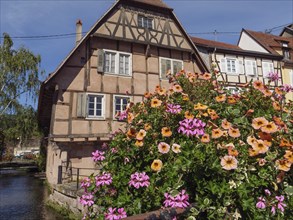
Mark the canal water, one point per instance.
(23, 197)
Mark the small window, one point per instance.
(169, 65)
(95, 106)
(286, 54)
(116, 62)
(231, 65)
(145, 22)
(267, 68)
(250, 67)
(120, 103)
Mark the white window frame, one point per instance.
(102, 116)
(229, 68)
(172, 65)
(250, 67)
(265, 70)
(117, 62)
(145, 21)
(114, 103)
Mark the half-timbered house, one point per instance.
(239, 66)
(126, 53)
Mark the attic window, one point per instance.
(284, 44)
(145, 22)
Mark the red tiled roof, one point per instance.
(214, 44)
(270, 42)
(157, 3)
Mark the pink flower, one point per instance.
(287, 88)
(280, 205)
(173, 108)
(178, 201)
(87, 199)
(267, 192)
(191, 127)
(163, 147)
(139, 180)
(98, 155)
(113, 214)
(261, 203)
(104, 179)
(85, 183)
(114, 150)
(126, 160)
(273, 210)
(273, 76)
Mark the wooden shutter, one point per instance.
(100, 65)
(267, 68)
(249, 67)
(223, 65)
(81, 105)
(240, 69)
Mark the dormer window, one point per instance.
(145, 22)
(284, 44)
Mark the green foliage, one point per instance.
(225, 171)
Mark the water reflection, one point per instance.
(22, 197)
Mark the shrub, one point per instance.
(225, 155)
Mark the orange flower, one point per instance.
(214, 116)
(156, 165)
(131, 133)
(206, 76)
(217, 133)
(271, 127)
(200, 106)
(140, 135)
(258, 85)
(260, 146)
(156, 103)
(251, 140)
(278, 121)
(188, 115)
(229, 162)
(162, 91)
(266, 92)
(147, 94)
(232, 152)
(231, 100)
(147, 126)
(225, 124)
(249, 112)
(285, 143)
(158, 87)
(283, 165)
(265, 136)
(234, 132)
(257, 123)
(166, 132)
(289, 156)
(139, 143)
(252, 152)
(276, 106)
(177, 88)
(221, 98)
(185, 97)
(130, 117)
(205, 138)
(279, 91)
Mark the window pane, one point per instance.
(98, 112)
(91, 112)
(139, 21)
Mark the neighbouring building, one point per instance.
(238, 66)
(126, 53)
(275, 45)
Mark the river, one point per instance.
(22, 197)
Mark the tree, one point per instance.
(19, 74)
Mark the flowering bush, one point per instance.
(226, 156)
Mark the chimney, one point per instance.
(78, 31)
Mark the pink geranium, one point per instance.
(191, 127)
(85, 183)
(178, 201)
(173, 108)
(104, 179)
(139, 180)
(112, 214)
(261, 203)
(87, 199)
(98, 155)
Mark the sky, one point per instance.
(31, 23)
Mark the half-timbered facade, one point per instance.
(126, 53)
(238, 66)
(275, 45)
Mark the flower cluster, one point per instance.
(275, 203)
(85, 183)
(191, 127)
(114, 213)
(173, 108)
(139, 180)
(98, 156)
(87, 199)
(104, 179)
(178, 201)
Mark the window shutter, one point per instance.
(163, 68)
(81, 105)
(100, 61)
(240, 68)
(254, 67)
(223, 65)
(249, 67)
